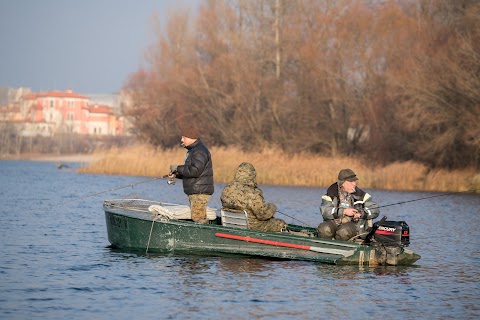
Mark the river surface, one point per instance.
(56, 262)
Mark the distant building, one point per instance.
(112, 100)
(52, 112)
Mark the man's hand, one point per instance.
(351, 212)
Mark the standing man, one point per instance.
(196, 174)
(347, 210)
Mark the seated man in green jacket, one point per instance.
(243, 194)
(347, 211)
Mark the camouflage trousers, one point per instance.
(270, 225)
(198, 207)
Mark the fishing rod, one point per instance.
(303, 223)
(398, 203)
(131, 185)
(424, 198)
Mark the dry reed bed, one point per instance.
(278, 168)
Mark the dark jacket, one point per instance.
(197, 172)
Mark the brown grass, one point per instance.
(278, 168)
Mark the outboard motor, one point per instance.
(392, 233)
(390, 240)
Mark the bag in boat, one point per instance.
(178, 212)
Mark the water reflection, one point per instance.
(354, 271)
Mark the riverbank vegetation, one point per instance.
(302, 89)
(386, 81)
(275, 167)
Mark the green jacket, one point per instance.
(243, 194)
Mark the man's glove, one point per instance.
(173, 168)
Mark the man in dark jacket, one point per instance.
(196, 174)
(347, 210)
(242, 194)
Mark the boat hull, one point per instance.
(137, 230)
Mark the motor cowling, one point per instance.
(393, 233)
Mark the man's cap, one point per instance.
(347, 175)
(190, 132)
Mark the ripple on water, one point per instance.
(56, 263)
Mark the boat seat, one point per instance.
(234, 219)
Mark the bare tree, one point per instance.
(386, 80)
(441, 101)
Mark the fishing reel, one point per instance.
(359, 206)
(171, 181)
(171, 175)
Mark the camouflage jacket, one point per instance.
(243, 194)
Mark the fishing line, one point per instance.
(303, 223)
(399, 203)
(429, 197)
(131, 185)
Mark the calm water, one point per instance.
(56, 263)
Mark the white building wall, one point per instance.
(98, 128)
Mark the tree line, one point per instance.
(383, 81)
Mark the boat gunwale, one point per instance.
(335, 243)
(342, 252)
(151, 218)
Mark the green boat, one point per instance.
(157, 227)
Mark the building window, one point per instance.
(70, 116)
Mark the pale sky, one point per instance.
(90, 46)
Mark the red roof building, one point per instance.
(67, 112)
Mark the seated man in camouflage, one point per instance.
(243, 194)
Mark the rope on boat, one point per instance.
(156, 217)
(149, 236)
(151, 228)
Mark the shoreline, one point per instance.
(83, 158)
(145, 161)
